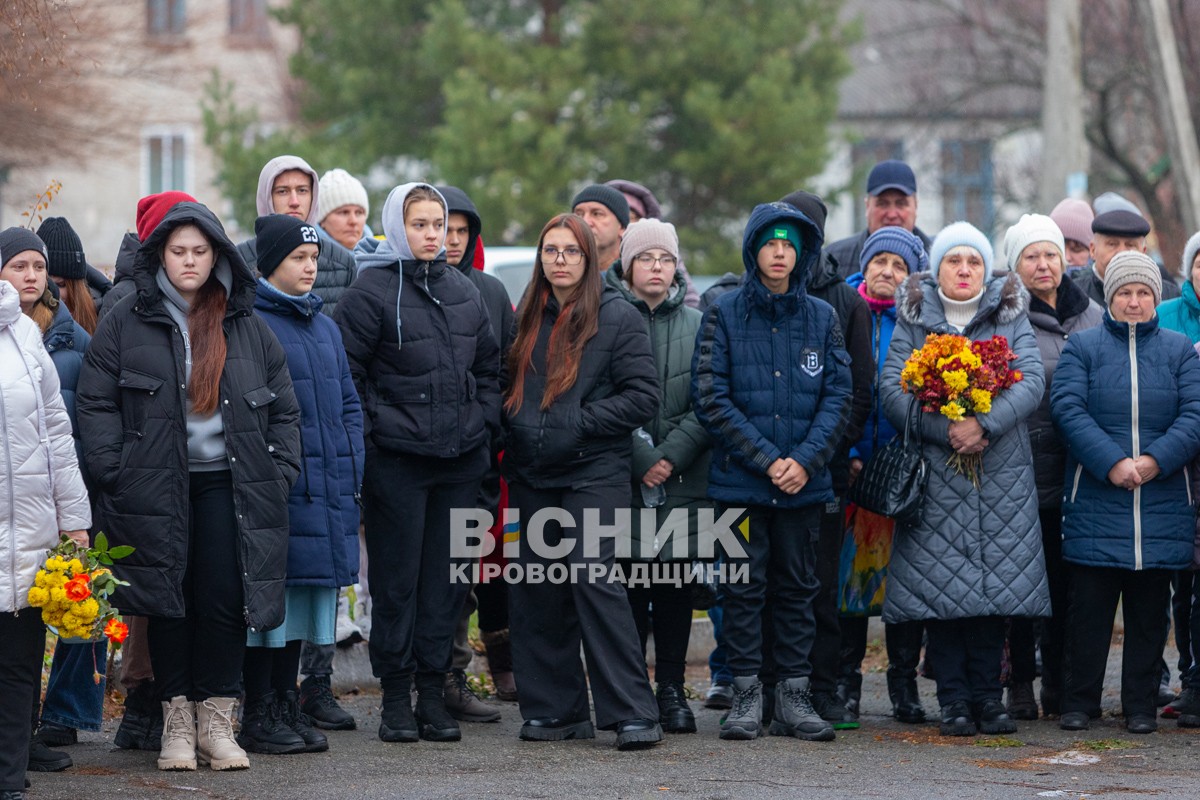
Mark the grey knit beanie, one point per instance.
(1130, 266)
(646, 234)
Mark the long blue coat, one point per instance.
(1122, 390)
(323, 505)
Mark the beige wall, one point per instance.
(137, 84)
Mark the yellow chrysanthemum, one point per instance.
(953, 411)
(41, 580)
(38, 596)
(982, 400)
(75, 566)
(956, 380)
(88, 609)
(56, 564)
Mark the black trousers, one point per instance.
(1023, 631)
(665, 610)
(24, 638)
(1182, 589)
(1093, 595)
(781, 560)
(406, 514)
(549, 620)
(200, 654)
(966, 655)
(903, 641)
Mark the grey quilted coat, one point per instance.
(974, 553)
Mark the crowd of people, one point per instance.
(270, 423)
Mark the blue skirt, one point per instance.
(310, 615)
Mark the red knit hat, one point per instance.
(153, 207)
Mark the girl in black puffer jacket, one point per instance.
(582, 379)
(191, 431)
(426, 366)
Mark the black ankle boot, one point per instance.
(298, 721)
(397, 723)
(906, 699)
(264, 731)
(673, 711)
(433, 720)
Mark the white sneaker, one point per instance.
(346, 632)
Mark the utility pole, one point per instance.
(1172, 100)
(1064, 146)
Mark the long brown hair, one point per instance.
(578, 320)
(206, 333)
(42, 312)
(75, 294)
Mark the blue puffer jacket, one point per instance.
(1182, 314)
(771, 378)
(1121, 390)
(323, 503)
(878, 430)
(66, 342)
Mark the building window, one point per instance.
(968, 187)
(863, 156)
(248, 19)
(166, 17)
(165, 155)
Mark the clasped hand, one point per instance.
(788, 475)
(1130, 473)
(966, 436)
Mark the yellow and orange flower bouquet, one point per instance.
(73, 590)
(957, 378)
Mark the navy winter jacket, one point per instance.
(878, 430)
(323, 507)
(1122, 390)
(771, 378)
(66, 343)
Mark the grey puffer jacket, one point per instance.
(973, 553)
(1073, 311)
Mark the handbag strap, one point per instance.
(908, 418)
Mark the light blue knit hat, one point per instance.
(961, 233)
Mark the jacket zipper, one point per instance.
(1075, 488)
(1137, 446)
(12, 495)
(1187, 483)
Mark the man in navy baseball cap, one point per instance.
(891, 200)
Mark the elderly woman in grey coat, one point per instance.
(975, 555)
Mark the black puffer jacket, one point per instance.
(122, 275)
(131, 406)
(584, 437)
(335, 270)
(437, 392)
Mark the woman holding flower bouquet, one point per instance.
(47, 498)
(1126, 396)
(974, 556)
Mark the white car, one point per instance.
(512, 265)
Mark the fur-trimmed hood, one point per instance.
(917, 301)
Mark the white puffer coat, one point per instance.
(41, 489)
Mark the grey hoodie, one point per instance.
(266, 181)
(395, 247)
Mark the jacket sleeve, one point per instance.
(826, 430)
(643, 457)
(686, 443)
(359, 317)
(634, 380)
(862, 369)
(283, 415)
(713, 396)
(70, 496)
(1089, 443)
(1181, 443)
(486, 369)
(935, 428)
(352, 413)
(1017, 402)
(98, 403)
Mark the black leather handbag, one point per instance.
(892, 483)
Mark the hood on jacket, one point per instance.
(10, 304)
(266, 180)
(614, 277)
(229, 267)
(457, 202)
(123, 266)
(917, 301)
(394, 246)
(270, 299)
(63, 333)
(769, 214)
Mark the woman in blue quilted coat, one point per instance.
(1126, 396)
(975, 555)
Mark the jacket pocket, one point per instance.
(1075, 483)
(138, 392)
(405, 408)
(471, 386)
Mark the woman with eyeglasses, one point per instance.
(582, 379)
(426, 366)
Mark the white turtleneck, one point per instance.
(959, 313)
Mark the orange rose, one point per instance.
(116, 631)
(77, 589)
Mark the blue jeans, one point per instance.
(718, 662)
(73, 698)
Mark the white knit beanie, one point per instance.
(339, 188)
(1130, 266)
(1029, 229)
(646, 234)
(1189, 256)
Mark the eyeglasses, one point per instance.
(570, 255)
(647, 261)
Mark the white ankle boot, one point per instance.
(216, 745)
(178, 747)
